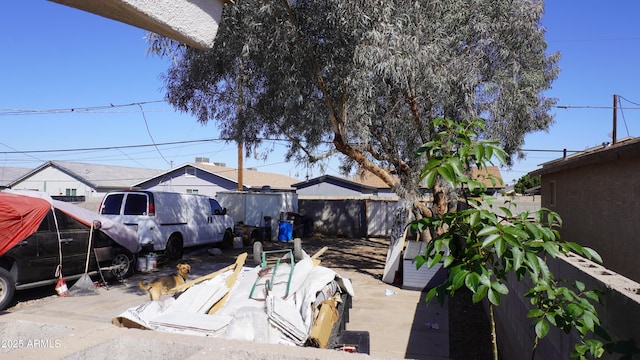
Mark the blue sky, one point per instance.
(56, 57)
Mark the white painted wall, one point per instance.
(193, 22)
(55, 183)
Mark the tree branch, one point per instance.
(338, 126)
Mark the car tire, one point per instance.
(123, 262)
(7, 289)
(174, 248)
(257, 253)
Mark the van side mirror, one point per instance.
(224, 211)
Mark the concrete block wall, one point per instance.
(619, 312)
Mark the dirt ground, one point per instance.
(470, 337)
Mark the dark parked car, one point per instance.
(34, 260)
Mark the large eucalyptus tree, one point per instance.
(378, 82)
(364, 79)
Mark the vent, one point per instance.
(219, 164)
(202, 160)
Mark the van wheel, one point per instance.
(122, 264)
(227, 239)
(174, 249)
(7, 289)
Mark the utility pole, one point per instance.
(615, 119)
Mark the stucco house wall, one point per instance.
(54, 182)
(80, 179)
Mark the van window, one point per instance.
(136, 204)
(216, 209)
(111, 205)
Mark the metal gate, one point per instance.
(380, 217)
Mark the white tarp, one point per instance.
(272, 318)
(121, 234)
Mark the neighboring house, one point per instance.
(79, 181)
(596, 194)
(367, 184)
(9, 174)
(208, 179)
(333, 186)
(361, 206)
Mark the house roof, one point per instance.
(95, 175)
(483, 174)
(356, 185)
(625, 148)
(9, 174)
(365, 179)
(250, 178)
(369, 179)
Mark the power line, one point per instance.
(590, 107)
(200, 141)
(109, 109)
(19, 152)
(622, 113)
(109, 147)
(548, 150)
(594, 40)
(78, 109)
(150, 136)
(627, 100)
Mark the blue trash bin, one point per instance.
(285, 231)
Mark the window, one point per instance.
(192, 191)
(552, 193)
(44, 225)
(66, 222)
(111, 205)
(136, 204)
(216, 209)
(70, 192)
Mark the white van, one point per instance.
(168, 221)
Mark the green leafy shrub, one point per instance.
(480, 248)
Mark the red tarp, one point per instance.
(20, 217)
(22, 211)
